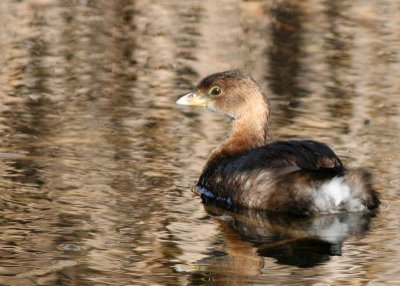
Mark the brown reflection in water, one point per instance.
(137, 148)
(29, 119)
(101, 77)
(285, 50)
(340, 86)
(186, 40)
(97, 160)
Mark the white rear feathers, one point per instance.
(335, 196)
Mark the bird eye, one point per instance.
(215, 90)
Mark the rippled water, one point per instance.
(97, 160)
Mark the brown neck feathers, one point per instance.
(249, 129)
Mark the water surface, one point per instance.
(97, 160)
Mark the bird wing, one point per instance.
(305, 154)
(288, 155)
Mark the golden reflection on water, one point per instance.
(96, 160)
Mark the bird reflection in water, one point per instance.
(290, 240)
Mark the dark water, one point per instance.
(97, 160)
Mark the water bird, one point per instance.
(302, 177)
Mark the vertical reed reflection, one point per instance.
(340, 86)
(285, 52)
(285, 48)
(29, 119)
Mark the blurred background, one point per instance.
(97, 161)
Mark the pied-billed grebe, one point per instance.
(301, 177)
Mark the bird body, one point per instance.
(301, 177)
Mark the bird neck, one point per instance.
(249, 131)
